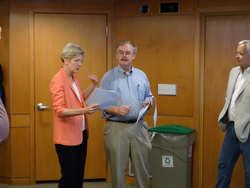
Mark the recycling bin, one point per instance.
(171, 153)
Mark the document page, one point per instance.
(142, 112)
(145, 108)
(106, 98)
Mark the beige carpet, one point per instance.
(54, 185)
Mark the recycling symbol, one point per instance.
(167, 161)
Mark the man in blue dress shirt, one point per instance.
(123, 137)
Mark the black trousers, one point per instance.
(72, 161)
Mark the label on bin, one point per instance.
(190, 151)
(167, 161)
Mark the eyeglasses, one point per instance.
(127, 53)
(78, 61)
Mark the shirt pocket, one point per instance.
(141, 92)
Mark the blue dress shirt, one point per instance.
(133, 90)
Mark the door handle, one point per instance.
(41, 107)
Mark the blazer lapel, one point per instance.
(232, 82)
(246, 83)
(70, 85)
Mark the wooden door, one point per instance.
(51, 33)
(222, 34)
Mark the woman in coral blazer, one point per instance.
(70, 117)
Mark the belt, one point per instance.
(128, 122)
(230, 122)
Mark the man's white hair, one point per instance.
(248, 45)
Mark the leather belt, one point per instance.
(128, 122)
(232, 122)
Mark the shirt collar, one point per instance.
(247, 71)
(122, 71)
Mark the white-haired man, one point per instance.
(235, 118)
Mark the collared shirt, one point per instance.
(133, 90)
(239, 82)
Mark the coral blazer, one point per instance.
(67, 130)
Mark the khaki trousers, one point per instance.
(123, 141)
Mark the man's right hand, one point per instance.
(123, 110)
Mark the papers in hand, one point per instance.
(142, 112)
(145, 108)
(103, 97)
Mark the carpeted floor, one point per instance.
(99, 184)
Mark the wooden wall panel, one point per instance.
(95, 1)
(87, 5)
(21, 152)
(11, 147)
(5, 156)
(110, 23)
(20, 121)
(19, 61)
(5, 51)
(226, 3)
(133, 8)
(20, 66)
(166, 55)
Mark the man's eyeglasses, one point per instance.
(127, 53)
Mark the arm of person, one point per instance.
(57, 91)
(92, 86)
(80, 111)
(122, 110)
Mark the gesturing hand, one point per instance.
(123, 110)
(93, 79)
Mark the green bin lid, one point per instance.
(178, 129)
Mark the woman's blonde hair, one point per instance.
(70, 51)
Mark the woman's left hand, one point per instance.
(93, 79)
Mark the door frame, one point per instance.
(109, 59)
(200, 24)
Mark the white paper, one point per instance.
(155, 113)
(144, 109)
(142, 112)
(106, 98)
